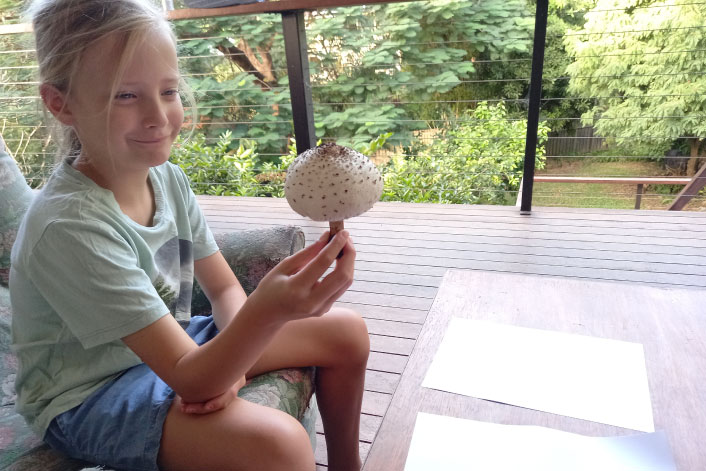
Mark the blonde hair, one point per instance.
(64, 29)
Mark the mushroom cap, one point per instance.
(332, 183)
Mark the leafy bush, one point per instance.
(222, 169)
(478, 160)
(217, 169)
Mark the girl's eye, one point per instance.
(171, 92)
(125, 95)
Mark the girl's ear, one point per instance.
(56, 103)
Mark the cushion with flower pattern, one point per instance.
(15, 196)
(251, 254)
(8, 361)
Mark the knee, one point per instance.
(353, 343)
(289, 447)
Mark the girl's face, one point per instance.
(145, 115)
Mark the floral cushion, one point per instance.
(287, 390)
(251, 254)
(20, 448)
(15, 196)
(8, 361)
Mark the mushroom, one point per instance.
(332, 183)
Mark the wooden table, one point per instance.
(670, 323)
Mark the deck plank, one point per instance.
(387, 344)
(403, 251)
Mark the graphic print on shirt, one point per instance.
(174, 282)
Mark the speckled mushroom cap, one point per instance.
(332, 183)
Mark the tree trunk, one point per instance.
(245, 58)
(693, 165)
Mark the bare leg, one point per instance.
(338, 345)
(242, 437)
(340, 397)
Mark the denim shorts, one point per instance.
(120, 424)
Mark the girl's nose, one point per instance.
(155, 114)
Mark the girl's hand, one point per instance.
(215, 404)
(295, 289)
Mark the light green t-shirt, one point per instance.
(84, 275)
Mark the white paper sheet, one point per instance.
(573, 375)
(451, 444)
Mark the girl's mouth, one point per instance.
(155, 140)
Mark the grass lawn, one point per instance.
(597, 195)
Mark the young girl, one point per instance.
(106, 372)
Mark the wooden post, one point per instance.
(535, 97)
(299, 84)
(638, 196)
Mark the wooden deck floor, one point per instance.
(404, 249)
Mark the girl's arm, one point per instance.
(221, 287)
(292, 290)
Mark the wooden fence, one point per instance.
(578, 142)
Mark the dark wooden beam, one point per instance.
(270, 7)
(247, 9)
(535, 97)
(299, 83)
(690, 190)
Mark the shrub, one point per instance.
(478, 160)
(218, 169)
(222, 169)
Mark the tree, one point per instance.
(563, 15)
(648, 77)
(509, 78)
(376, 59)
(232, 65)
(366, 63)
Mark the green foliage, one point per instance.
(365, 63)
(232, 167)
(20, 117)
(368, 62)
(563, 16)
(235, 79)
(652, 81)
(376, 144)
(216, 169)
(479, 160)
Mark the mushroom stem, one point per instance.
(335, 228)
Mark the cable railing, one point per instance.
(443, 115)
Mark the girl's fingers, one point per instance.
(212, 405)
(315, 269)
(326, 307)
(295, 262)
(341, 276)
(298, 276)
(194, 408)
(215, 404)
